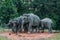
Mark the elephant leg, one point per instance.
(42, 28)
(50, 28)
(32, 29)
(26, 27)
(38, 28)
(16, 27)
(19, 29)
(22, 28)
(13, 30)
(16, 30)
(29, 28)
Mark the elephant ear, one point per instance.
(10, 20)
(25, 15)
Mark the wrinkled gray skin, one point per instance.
(9, 25)
(17, 24)
(14, 24)
(32, 20)
(46, 22)
(21, 22)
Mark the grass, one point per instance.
(3, 38)
(55, 37)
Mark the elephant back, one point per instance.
(34, 19)
(47, 20)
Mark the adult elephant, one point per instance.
(14, 24)
(32, 20)
(22, 23)
(47, 22)
(17, 24)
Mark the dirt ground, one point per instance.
(26, 36)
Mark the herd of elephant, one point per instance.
(30, 23)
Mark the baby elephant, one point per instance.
(47, 22)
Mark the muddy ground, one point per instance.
(26, 36)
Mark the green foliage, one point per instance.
(10, 9)
(7, 10)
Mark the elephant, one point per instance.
(23, 24)
(14, 24)
(10, 24)
(33, 21)
(46, 22)
(17, 24)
